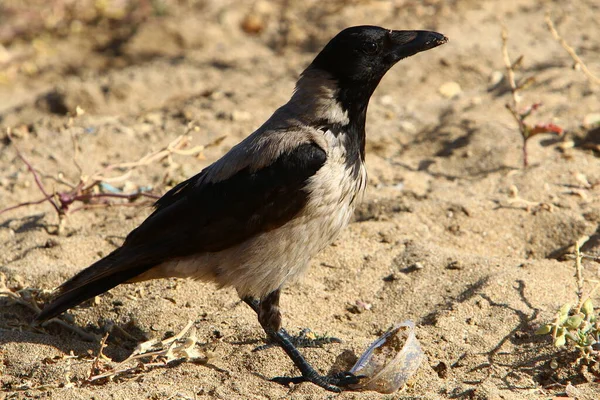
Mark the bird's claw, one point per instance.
(345, 378)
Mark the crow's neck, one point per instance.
(340, 107)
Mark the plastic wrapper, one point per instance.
(390, 361)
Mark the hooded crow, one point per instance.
(254, 219)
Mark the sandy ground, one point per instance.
(439, 238)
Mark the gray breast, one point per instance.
(272, 259)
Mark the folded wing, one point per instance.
(199, 216)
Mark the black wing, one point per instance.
(198, 216)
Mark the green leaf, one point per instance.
(588, 308)
(563, 314)
(585, 327)
(560, 341)
(574, 321)
(564, 310)
(544, 329)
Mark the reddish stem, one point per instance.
(28, 203)
(37, 178)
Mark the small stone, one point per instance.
(386, 100)
(253, 24)
(408, 127)
(591, 120)
(495, 79)
(154, 118)
(20, 132)
(417, 266)
(450, 89)
(454, 264)
(566, 145)
(240, 116)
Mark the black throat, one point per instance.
(354, 98)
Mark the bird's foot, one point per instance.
(334, 383)
(306, 338)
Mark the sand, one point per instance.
(453, 233)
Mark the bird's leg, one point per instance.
(269, 318)
(303, 339)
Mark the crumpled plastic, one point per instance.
(390, 361)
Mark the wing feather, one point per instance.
(199, 216)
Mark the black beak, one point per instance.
(404, 44)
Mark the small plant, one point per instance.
(580, 328)
(520, 115)
(577, 325)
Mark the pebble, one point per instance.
(386, 100)
(450, 89)
(253, 23)
(154, 118)
(591, 120)
(241, 116)
(408, 127)
(495, 79)
(417, 266)
(454, 264)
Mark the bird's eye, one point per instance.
(370, 48)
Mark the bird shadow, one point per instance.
(535, 362)
(66, 336)
(470, 292)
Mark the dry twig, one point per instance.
(579, 256)
(579, 269)
(160, 353)
(578, 61)
(100, 357)
(530, 206)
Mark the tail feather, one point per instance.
(101, 276)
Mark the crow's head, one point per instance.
(363, 54)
